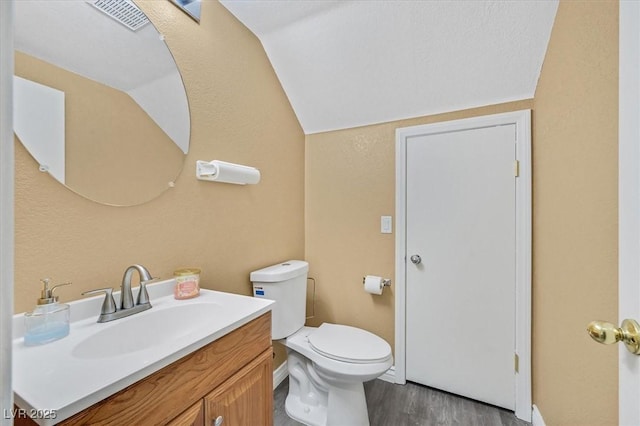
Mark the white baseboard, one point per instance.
(389, 375)
(536, 417)
(279, 374)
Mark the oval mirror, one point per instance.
(98, 99)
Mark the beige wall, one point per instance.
(575, 155)
(115, 152)
(239, 113)
(350, 183)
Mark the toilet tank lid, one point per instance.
(280, 272)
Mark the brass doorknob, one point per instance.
(607, 333)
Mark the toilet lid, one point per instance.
(349, 344)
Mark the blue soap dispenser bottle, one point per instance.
(49, 321)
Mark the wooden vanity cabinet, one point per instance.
(231, 377)
(244, 399)
(192, 416)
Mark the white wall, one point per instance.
(6, 205)
(629, 201)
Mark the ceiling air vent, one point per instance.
(122, 11)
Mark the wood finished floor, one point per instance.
(413, 404)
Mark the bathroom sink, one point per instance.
(147, 330)
(97, 360)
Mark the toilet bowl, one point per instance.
(328, 388)
(327, 365)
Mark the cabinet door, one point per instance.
(244, 399)
(192, 416)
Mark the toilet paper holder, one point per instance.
(386, 282)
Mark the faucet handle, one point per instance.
(143, 296)
(108, 305)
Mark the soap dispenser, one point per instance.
(49, 321)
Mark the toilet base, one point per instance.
(304, 413)
(346, 407)
(316, 400)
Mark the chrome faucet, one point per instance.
(109, 312)
(126, 296)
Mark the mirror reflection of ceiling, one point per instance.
(78, 37)
(119, 95)
(73, 38)
(345, 64)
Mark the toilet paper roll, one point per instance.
(373, 284)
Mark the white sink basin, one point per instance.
(146, 331)
(97, 360)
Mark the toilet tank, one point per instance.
(286, 284)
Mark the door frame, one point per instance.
(6, 206)
(522, 121)
(629, 205)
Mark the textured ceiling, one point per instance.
(345, 64)
(73, 35)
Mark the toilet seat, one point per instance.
(349, 344)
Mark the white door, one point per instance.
(460, 207)
(460, 235)
(629, 205)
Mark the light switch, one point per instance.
(386, 224)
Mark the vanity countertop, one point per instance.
(54, 381)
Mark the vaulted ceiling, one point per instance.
(348, 63)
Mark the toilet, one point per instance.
(327, 365)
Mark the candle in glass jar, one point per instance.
(187, 283)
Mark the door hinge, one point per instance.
(516, 168)
(516, 363)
